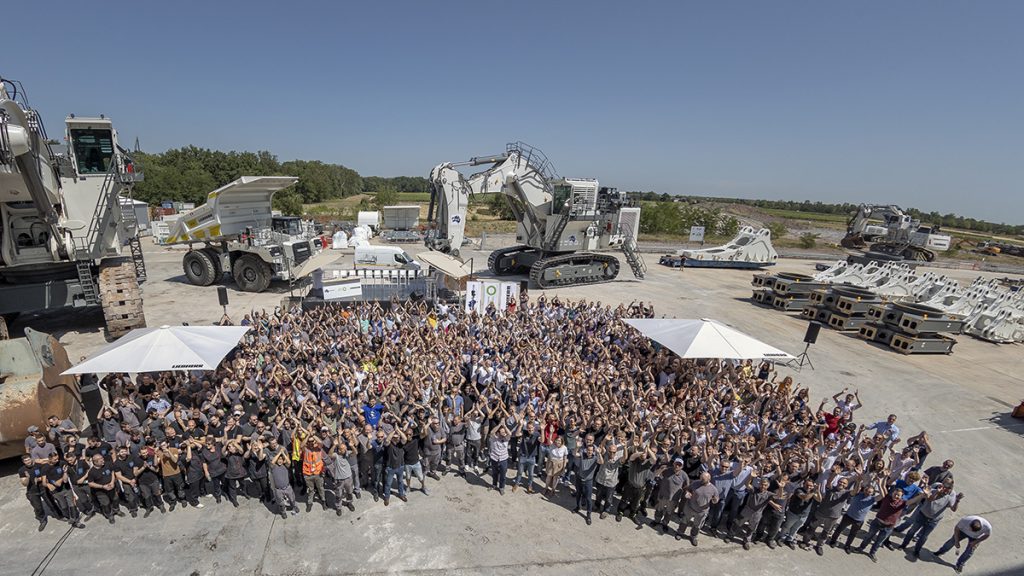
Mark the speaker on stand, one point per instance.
(810, 337)
(222, 297)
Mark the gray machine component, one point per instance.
(922, 344)
(69, 236)
(560, 221)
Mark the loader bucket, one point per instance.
(31, 388)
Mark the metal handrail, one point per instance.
(534, 157)
(117, 172)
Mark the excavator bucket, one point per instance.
(31, 388)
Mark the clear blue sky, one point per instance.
(920, 103)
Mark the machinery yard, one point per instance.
(963, 401)
(319, 304)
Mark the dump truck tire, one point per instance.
(251, 273)
(199, 268)
(120, 298)
(218, 270)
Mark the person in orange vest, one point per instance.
(312, 471)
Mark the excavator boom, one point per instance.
(559, 220)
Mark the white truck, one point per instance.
(384, 257)
(238, 232)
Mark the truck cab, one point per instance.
(388, 257)
(290, 225)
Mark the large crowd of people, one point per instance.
(371, 401)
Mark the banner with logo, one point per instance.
(480, 294)
(343, 290)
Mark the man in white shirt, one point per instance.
(975, 529)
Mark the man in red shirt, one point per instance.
(888, 516)
(832, 421)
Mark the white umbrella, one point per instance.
(164, 348)
(706, 339)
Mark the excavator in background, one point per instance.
(898, 235)
(69, 236)
(560, 221)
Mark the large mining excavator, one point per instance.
(69, 235)
(898, 234)
(560, 221)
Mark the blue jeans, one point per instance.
(922, 526)
(414, 470)
(499, 469)
(584, 494)
(953, 540)
(715, 513)
(877, 533)
(529, 464)
(792, 523)
(377, 478)
(391, 474)
(544, 451)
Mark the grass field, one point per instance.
(798, 215)
(413, 197)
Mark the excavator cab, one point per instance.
(93, 148)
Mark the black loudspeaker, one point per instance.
(222, 295)
(523, 285)
(811, 336)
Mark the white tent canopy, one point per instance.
(164, 348)
(706, 339)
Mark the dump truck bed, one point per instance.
(229, 210)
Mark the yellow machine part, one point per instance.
(32, 388)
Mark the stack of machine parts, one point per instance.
(912, 328)
(843, 307)
(892, 304)
(785, 291)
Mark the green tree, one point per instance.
(385, 197)
(660, 218)
(808, 240)
(777, 228)
(728, 226)
(289, 202)
(498, 205)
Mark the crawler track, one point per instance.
(121, 298)
(574, 270)
(494, 263)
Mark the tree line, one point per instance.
(189, 173)
(932, 218)
(677, 218)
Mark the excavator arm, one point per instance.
(859, 230)
(510, 174)
(24, 147)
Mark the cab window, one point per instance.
(94, 149)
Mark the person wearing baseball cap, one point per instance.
(670, 491)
